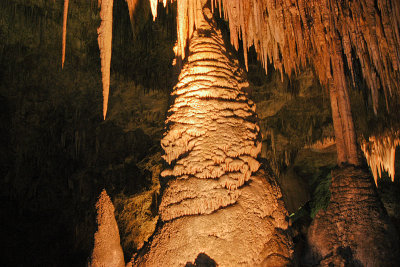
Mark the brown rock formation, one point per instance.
(107, 251)
(355, 229)
(215, 205)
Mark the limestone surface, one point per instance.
(218, 205)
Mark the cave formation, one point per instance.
(280, 120)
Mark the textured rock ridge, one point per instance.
(236, 217)
(212, 138)
(355, 229)
(107, 249)
(250, 232)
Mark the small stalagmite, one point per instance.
(107, 251)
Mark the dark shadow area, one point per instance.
(202, 260)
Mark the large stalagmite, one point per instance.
(215, 204)
(355, 229)
(107, 249)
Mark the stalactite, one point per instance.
(105, 41)
(293, 33)
(107, 249)
(153, 5)
(64, 33)
(328, 34)
(131, 8)
(380, 153)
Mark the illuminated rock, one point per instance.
(355, 229)
(64, 33)
(105, 41)
(380, 154)
(328, 34)
(107, 249)
(217, 202)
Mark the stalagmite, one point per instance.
(105, 41)
(64, 33)
(107, 249)
(355, 229)
(380, 153)
(226, 128)
(217, 202)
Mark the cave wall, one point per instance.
(57, 153)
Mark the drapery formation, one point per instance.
(292, 33)
(237, 216)
(328, 34)
(380, 153)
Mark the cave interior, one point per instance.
(62, 143)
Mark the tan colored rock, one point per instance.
(250, 232)
(107, 251)
(216, 208)
(104, 39)
(294, 33)
(380, 152)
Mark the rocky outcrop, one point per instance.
(250, 232)
(105, 42)
(107, 249)
(355, 229)
(214, 203)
